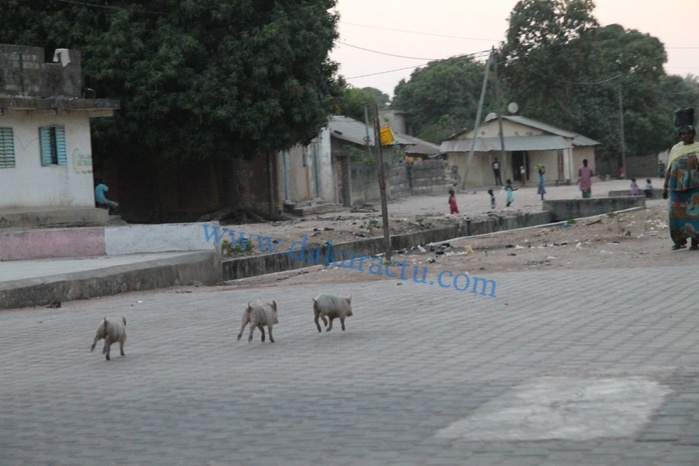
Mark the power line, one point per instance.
(387, 54)
(411, 58)
(384, 72)
(418, 32)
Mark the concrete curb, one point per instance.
(197, 267)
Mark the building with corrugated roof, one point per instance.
(528, 143)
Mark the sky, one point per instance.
(383, 41)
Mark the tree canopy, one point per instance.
(442, 98)
(562, 68)
(581, 76)
(354, 100)
(196, 78)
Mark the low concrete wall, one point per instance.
(134, 239)
(197, 267)
(498, 223)
(566, 209)
(32, 244)
(100, 241)
(55, 217)
(245, 267)
(656, 194)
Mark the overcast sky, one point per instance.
(372, 32)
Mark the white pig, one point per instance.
(332, 307)
(112, 331)
(258, 314)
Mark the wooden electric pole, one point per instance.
(382, 184)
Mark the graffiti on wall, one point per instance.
(82, 162)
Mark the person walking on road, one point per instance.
(510, 194)
(453, 207)
(585, 175)
(682, 183)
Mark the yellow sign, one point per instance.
(386, 136)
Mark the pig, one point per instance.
(332, 307)
(258, 314)
(112, 331)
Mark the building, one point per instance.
(528, 143)
(45, 145)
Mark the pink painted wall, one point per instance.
(35, 244)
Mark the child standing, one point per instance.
(634, 187)
(492, 198)
(453, 208)
(648, 189)
(541, 190)
(510, 195)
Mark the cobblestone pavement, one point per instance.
(560, 368)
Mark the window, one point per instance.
(53, 145)
(7, 148)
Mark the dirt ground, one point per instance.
(637, 238)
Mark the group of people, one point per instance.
(681, 184)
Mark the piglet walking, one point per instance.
(332, 307)
(111, 331)
(259, 314)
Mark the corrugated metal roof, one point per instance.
(578, 139)
(351, 130)
(511, 143)
(418, 146)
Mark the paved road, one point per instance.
(560, 368)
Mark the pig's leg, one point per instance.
(262, 331)
(330, 324)
(271, 338)
(342, 321)
(315, 319)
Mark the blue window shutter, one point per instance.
(7, 148)
(45, 145)
(61, 145)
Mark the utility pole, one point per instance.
(382, 185)
(498, 102)
(367, 139)
(478, 121)
(623, 138)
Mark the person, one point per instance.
(634, 187)
(453, 208)
(541, 190)
(510, 194)
(101, 197)
(585, 175)
(682, 183)
(496, 172)
(492, 198)
(648, 189)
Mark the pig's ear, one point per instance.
(349, 300)
(123, 319)
(274, 305)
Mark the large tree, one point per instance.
(564, 69)
(442, 98)
(196, 78)
(354, 100)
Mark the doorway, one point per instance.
(520, 159)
